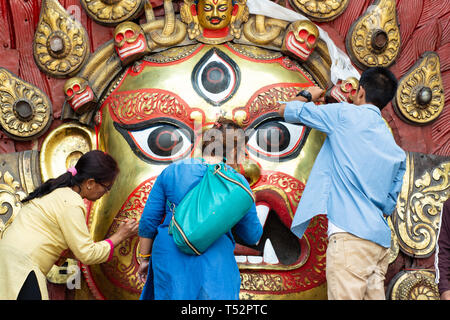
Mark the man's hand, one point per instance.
(317, 94)
(281, 109)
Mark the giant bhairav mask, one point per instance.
(151, 113)
(152, 117)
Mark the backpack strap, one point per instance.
(174, 224)
(217, 169)
(172, 207)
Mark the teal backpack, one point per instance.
(209, 210)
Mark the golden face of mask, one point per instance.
(154, 116)
(214, 14)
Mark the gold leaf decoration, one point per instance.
(424, 190)
(61, 45)
(112, 12)
(25, 111)
(63, 147)
(167, 32)
(374, 39)
(195, 27)
(320, 10)
(395, 248)
(414, 285)
(420, 96)
(10, 196)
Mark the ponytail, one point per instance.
(94, 164)
(64, 180)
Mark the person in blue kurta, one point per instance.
(171, 274)
(355, 181)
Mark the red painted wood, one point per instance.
(354, 10)
(5, 35)
(23, 19)
(445, 26)
(7, 145)
(408, 18)
(9, 60)
(433, 9)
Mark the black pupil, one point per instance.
(165, 141)
(273, 137)
(215, 77)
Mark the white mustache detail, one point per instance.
(138, 47)
(293, 45)
(86, 96)
(338, 95)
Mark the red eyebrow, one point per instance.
(133, 107)
(267, 99)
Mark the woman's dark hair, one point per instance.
(224, 138)
(94, 164)
(380, 85)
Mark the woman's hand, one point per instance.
(143, 270)
(145, 245)
(126, 229)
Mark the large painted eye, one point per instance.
(163, 142)
(276, 139)
(160, 142)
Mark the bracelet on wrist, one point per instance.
(305, 94)
(144, 256)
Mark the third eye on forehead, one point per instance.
(220, 5)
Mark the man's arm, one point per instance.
(391, 200)
(324, 118)
(317, 95)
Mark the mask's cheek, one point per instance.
(122, 268)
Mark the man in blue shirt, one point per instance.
(355, 181)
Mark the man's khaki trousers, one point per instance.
(355, 268)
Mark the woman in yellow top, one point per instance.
(52, 221)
